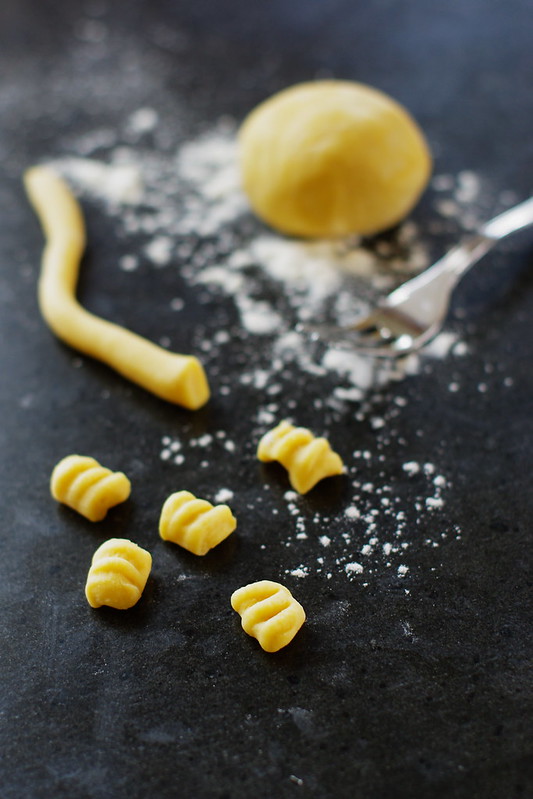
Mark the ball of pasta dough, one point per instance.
(332, 158)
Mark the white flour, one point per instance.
(185, 211)
(114, 183)
(198, 194)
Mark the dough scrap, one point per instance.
(332, 158)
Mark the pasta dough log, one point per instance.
(269, 613)
(177, 378)
(194, 523)
(307, 459)
(118, 574)
(88, 488)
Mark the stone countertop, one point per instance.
(410, 677)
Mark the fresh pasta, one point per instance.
(177, 378)
(195, 524)
(307, 459)
(87, 487)
(118, 574)
(269, 612)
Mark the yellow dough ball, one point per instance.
(332, 158)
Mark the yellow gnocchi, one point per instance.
(195, 524)
(307, 459)
(118, 574)
(87, 487)
(269, 612)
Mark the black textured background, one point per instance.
(170, 699)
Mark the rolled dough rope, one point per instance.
(177, 378)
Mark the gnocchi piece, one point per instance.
(332, 158)
(307, 459)
(195, 524)
(176, 378)
(88, 488)
(269, 613)
(118, 574)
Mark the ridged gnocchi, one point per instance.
(269, 612)
(118, 574)
(87, 487)
(307, 459)
(195, 524)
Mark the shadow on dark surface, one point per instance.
(135, 618)
(118, 522)
(328, 493)
(216, 560)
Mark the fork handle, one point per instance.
(452, 266)
(516, 218)
(471, 249)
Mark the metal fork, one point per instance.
(411, 315)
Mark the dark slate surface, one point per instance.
(170, 698)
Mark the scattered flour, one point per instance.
(115, 183)
(185, 210)
(159, 250)
(411, 468)
(192, 213)
(128, 263)
(353, 568)
(142, 121)
(224, 495)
